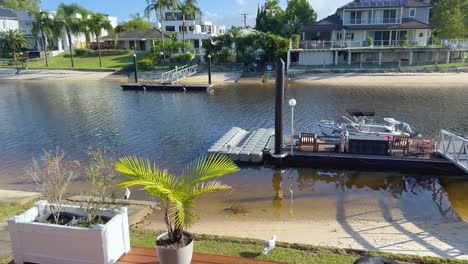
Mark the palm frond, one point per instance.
(208, 187)
(183, 214)
(208, 167)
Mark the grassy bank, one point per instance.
(9, 209)
(62, 62)
(284, 252)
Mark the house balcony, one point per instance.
(381, 21)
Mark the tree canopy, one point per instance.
(132, 24)
(28, 5)
(272, 18)
(450, 17)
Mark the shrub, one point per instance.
(84, 52)
(113, 52)
(145, 64)
(295, 39)
(184, 58)
(154, 57)
(370, 41)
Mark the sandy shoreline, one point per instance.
(436, 80)
(424, 238)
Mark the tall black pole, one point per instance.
(209, 70)
(135, 67)
(279, 107)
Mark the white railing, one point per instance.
(343, 44)
(178, 74)
(454, 148)
(377, 21)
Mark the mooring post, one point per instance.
(135, 66)
(209, 69)
(279, 107)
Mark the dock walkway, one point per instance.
(241, 145)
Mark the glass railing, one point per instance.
(359, 21)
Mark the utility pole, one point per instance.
(244, 15)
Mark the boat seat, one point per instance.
(308, 142)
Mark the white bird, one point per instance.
(127, 194)
(269, 245)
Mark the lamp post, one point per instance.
(292, 103)
(209, 69)
(135, 66)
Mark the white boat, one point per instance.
(362, 123)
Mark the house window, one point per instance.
(170, 28)
(421, 35)
(412, 12)
(356, 17)
(349, 36)
(317, 34)
(339, 36)
(390, 17)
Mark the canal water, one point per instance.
(173, 128)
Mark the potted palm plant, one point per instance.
(177, 195)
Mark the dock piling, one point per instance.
(209, 70)
(135, 66)
(279, 107)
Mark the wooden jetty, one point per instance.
(165, 87)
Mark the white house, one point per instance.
(196, 29)
(8, 20)
(26, 20)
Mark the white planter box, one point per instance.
(54, 244)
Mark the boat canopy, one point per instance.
(360, 113)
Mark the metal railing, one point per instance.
(178, 74)
(344, 44)
(376, 21)
(454, 148)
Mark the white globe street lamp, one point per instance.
(292, 103)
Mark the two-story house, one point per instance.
(388, 22)
(195, 29)
(8, 20)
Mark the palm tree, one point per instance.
(159, 6)
(14, 39)
(235, 34)
(43, 25)
(272, 6)
(67, 15)
(98, 22)
(189, 7)
(177, 193)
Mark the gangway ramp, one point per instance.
(454, 148)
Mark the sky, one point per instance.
(221, 12)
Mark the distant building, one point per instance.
(388, 22)
(196, 29)
(26, 21)
(8, 20)
(138, 39)
(391, 33)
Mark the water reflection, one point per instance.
(278, 197)
(404, 189)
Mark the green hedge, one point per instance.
(105, 52)
(84, 52)
(145, 64)
(184, 58)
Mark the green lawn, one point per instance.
(9, 209)
(284, 252)
(116, 62)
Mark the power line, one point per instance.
(245, 19)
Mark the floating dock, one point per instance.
(166, 87)
(243, 146)
(257, 148)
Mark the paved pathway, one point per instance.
(36, 75)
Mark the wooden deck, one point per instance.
(138, 255)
